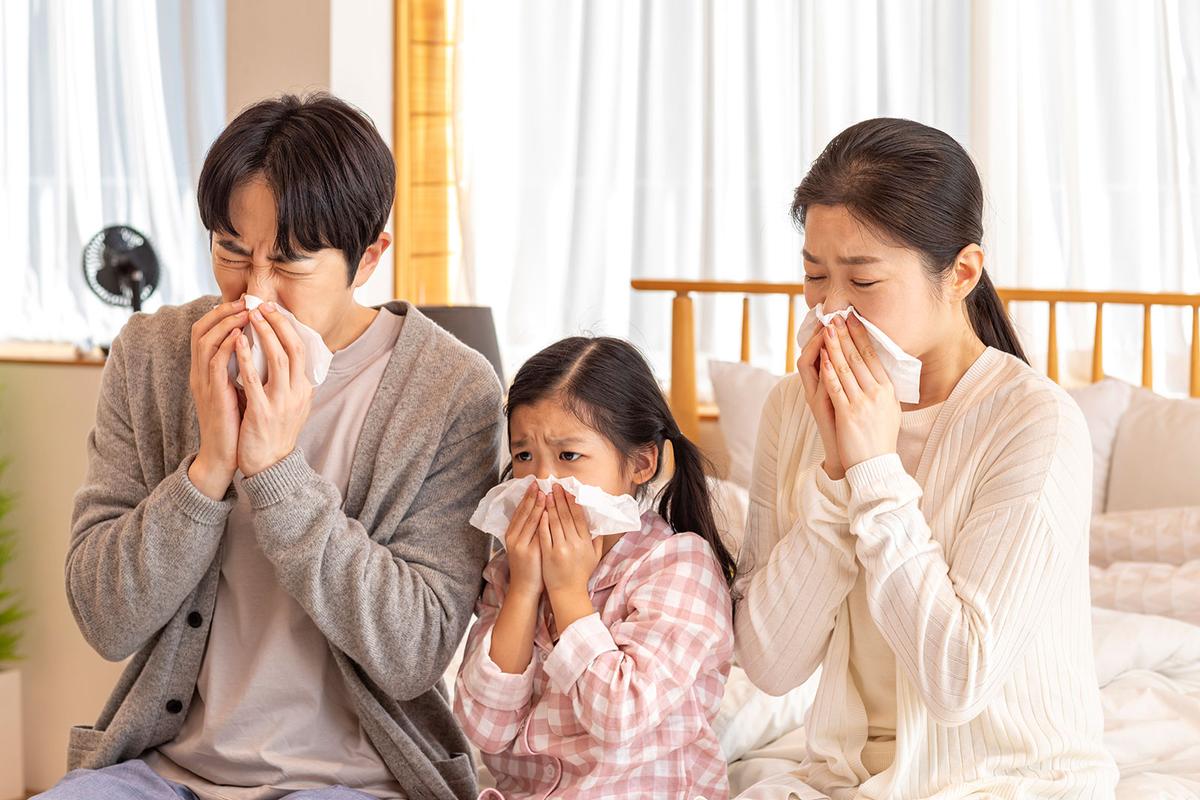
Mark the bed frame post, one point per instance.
(683, 366)
(1195, 382)
(1098, 346)
(1147, 348)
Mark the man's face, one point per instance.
(314, 288)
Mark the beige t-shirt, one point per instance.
(872, 662)
(271, 714)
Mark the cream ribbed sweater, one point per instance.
(977, 577)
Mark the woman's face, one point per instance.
(847, 264)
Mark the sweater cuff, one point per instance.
(492, 686)
(580, 644)
(877, 478)
(279, 481)
(836, 492)
(195, 504)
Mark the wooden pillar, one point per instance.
(426, 220)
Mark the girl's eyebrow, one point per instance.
(566, 440)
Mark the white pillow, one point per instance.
(740, 391)
(1166, 590)
(1156, 455)
(1153, 535)
(1103, 404)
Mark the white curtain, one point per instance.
(106, 110)
(600, 141)
(1086, 128)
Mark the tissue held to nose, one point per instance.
(317, 356)
(605, 513)
(903, 369)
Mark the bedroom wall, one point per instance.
(46, 412)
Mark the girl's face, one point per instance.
(847, 264)
(547, 440)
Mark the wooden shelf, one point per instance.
(49, 353)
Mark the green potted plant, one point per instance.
(12, 777)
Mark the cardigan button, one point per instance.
(174, 706)
(194, 619)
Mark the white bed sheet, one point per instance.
(1149, 673)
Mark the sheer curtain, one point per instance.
(1086, 128)
(106, 110)
(600, 141)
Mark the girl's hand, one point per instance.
(809, 367)
(569, 557)
(277, 410)
(866, 411)
(569, 553)
(523, 546)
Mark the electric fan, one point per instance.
(121, 267)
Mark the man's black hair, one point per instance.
(331, 173)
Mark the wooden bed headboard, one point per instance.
(689, 412)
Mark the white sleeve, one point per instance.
(791, 580)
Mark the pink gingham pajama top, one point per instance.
(621, 706)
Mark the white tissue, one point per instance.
(317, 356)
(903, 370)
(605, 513)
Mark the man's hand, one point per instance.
(214, 337)
(276, 410)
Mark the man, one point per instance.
(289, 566)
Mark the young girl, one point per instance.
(597, 665)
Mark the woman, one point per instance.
(931, 558)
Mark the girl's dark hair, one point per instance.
(332, 175)
(916, 185)
(608, 385)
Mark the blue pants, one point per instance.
(134, 780)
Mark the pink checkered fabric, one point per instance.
(621, 706)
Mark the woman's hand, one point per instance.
(277, 410)
(809, 367)
(569, 557)
(523, 546)
(866, 411)
(214, 337)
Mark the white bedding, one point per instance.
(1149, 673)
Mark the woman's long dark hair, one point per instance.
(916, 185)
(608, 385)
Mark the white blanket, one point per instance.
(1149, 673)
